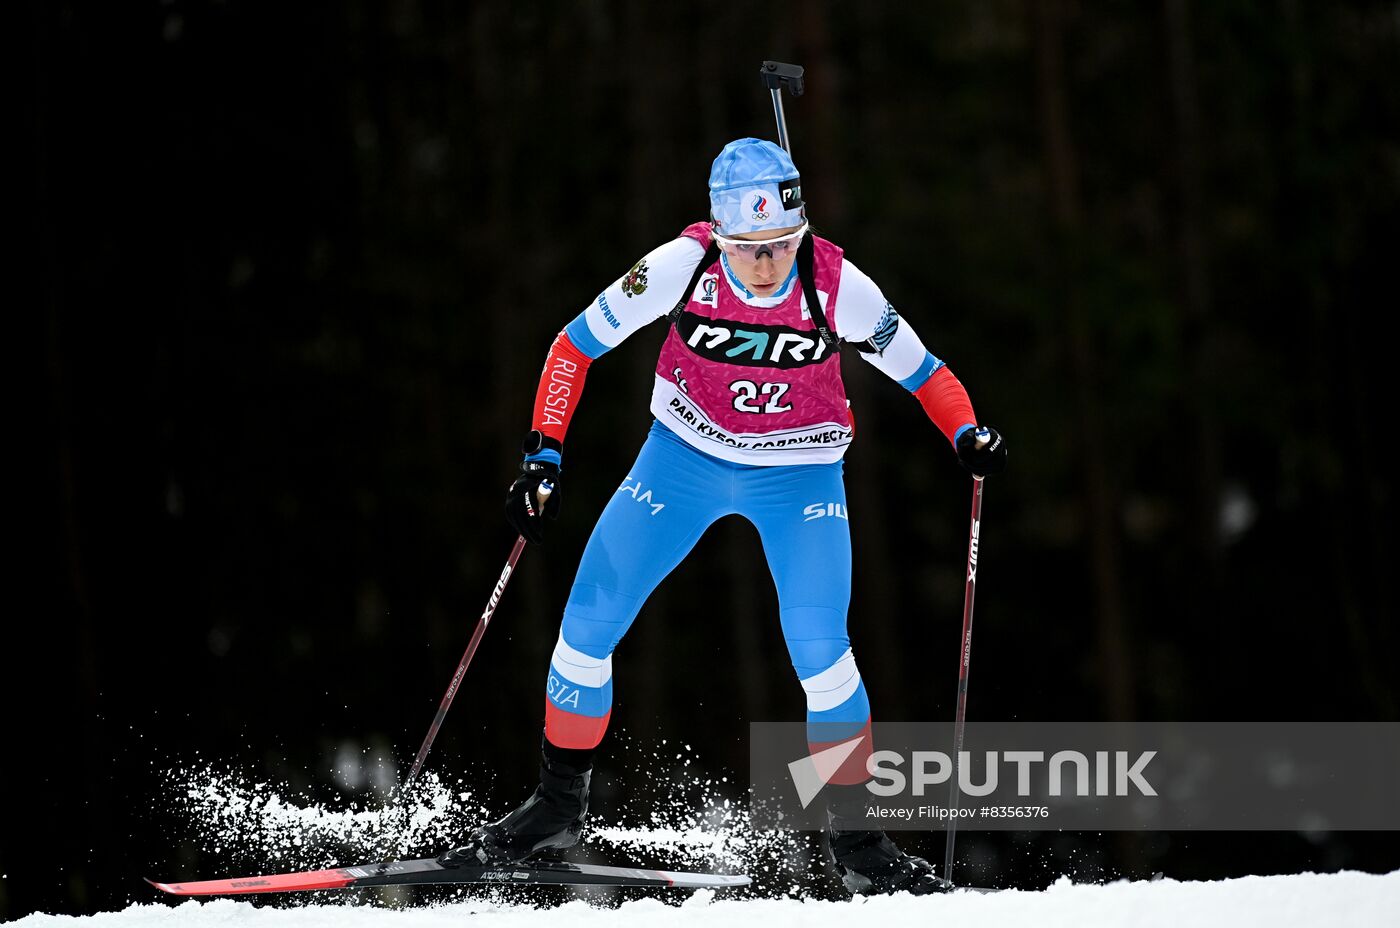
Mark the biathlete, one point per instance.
(751, 419)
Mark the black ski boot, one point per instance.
(868, 862)
(550, 820)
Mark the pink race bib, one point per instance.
(754, 385)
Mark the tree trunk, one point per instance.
(1113, 662)
(1195, 292)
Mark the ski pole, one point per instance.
(964, 658)
(775, 76)
(542, 494)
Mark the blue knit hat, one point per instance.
(754, 186)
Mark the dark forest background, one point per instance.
(289, 272)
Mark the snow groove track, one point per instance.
(1299, 901)
(430, 871)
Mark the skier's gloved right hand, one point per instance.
(982, 450)
(526, 502)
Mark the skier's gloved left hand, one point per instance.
(982, 450)
(535, 493)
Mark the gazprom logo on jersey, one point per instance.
(759, 208)
(607, 311)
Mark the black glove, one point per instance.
(982, 450)
(525, 510)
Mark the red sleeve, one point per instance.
(946, 402)
(561, 385)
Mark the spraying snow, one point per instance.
(675, 817)
(682, 819)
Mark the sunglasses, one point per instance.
(747, 252)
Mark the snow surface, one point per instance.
(682, 819)
(1300, 901)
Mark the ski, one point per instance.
(428, 870)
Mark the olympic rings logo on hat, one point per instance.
(759, 208)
